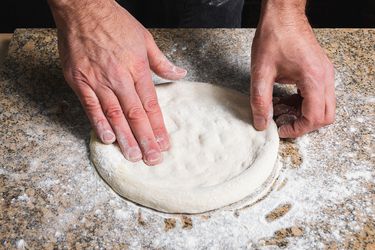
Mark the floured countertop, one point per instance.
(51, 195)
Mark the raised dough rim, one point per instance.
(172, 201)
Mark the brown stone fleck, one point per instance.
(119, 246)
(297, 231)
(169, 223)
(290, 150)
(140, 219)
(282, 243)
(332, 246)
(280, 237)
(278, 212)
(30, 45)
(187, 222)
(364, 239)
(205, 216)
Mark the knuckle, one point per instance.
(259, 104)
(135, 113)
(303, 126)
(124, 139)
(261, 68)
(149, 143)
(160, 131)
(113, 112)
(100, 124)
(151, 105)
(287, 131)
(140, 66)
(89, 102)
(257, 100)
(255, 71)
(76, 75)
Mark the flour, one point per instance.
(330, 192)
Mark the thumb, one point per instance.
(262, 81)
(160, 64)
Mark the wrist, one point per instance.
(283, 12)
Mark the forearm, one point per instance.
(284, 12)
(74, 5)
(68, 11)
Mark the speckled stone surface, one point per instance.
(52, 197)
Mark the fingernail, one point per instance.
(134, 154)
(179, 70)
(108, 136)
(259, 122)
(153, 156)
(163, 144)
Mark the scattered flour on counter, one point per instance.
(310, 189)
(324, 194)
(23, 197)
(21, 244)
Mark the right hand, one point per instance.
(106, 57)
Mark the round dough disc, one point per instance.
(216, 158)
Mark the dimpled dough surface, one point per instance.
(217, 158)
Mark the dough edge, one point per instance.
(205, 199)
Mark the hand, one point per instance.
(285, 50)
(106, 58)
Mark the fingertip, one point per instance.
(287, 131)
(108, 137)
(281, 132)
(260, 123)
(173, 73)
(180, 71)
(134, 154)
(153, 157)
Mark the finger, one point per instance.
(312, 111)
(139, 122)
(113, 111)
(330, 98)
(94, 112)
(147, 94)
(262, 80)
(160, 64)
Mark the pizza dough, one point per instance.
(217, 158)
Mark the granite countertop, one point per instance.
(4, 42)
(52, 196)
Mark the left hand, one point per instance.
(285, 50)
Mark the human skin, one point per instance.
(107, 57)
(285, 50)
